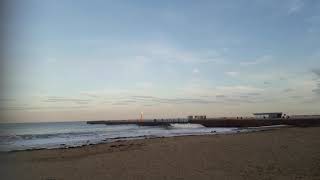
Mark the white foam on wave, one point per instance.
(78, 134)
(187, 125)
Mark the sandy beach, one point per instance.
(286, 153)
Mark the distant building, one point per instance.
(268, 115)
(202, 117)
(190, 117)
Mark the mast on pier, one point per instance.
(141, 116)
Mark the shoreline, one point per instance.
(284, 153)
(121, 139)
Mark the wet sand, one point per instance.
(286, 153)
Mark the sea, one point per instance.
(28, 136)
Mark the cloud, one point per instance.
(36, 108)
(227, 94)
(249, 95)
(253, 94)
(232, 73)
(259, 60)
(120, 104)
(295, 6)
(296, 97)
(64, 100)
(89, 94)
(220, 99)
(166, 52)
(195, 70)
(188, 100)
(317, 73)
(182, 101)
(253, 97)
(288, 90)
(239, 89)
(317, 90)
(160, 100)
(143, 97)
(7, 100)
(206, 90)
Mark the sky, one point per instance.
(97, 60)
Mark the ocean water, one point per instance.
(23, 136)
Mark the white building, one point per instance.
(268, 115)
(202, 117)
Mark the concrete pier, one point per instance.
(145, 122)
(218, 122)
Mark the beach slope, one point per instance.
(286, 153)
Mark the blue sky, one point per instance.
(68, 60)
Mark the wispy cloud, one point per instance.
(239, 89)
(288, 90)
(143, 97)
(232, 73)
(317, 73)
(220, 96)
(260, 60)
(37, 108)
(92, 95)
(166, 52)
(295, 6)
(160, 100)
(195, 70)
(253, 94)
(120, 104)
(7, 100)
(64, 100)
